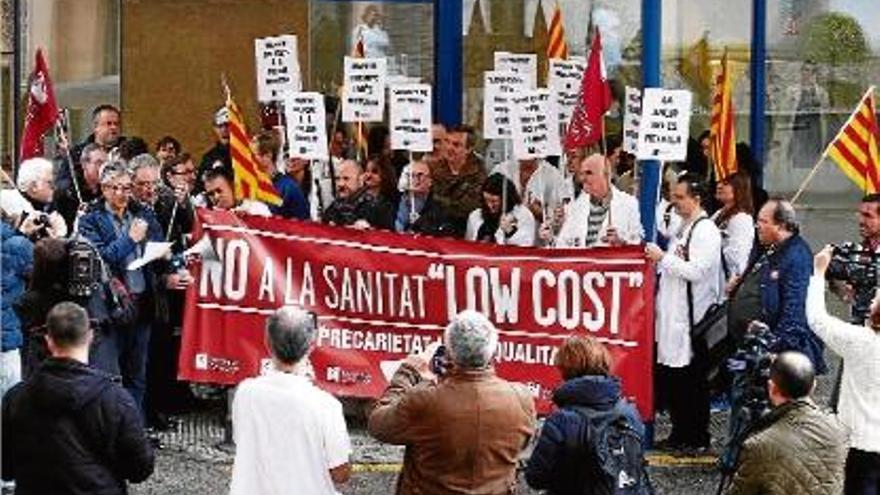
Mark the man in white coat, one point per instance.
(539, 184)
(602, 216)
(690, 282)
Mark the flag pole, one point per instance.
(822, 157)
(504, 183)
(60, 125)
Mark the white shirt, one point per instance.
(253, 207)
(703, 271)
(288, 435)
(737, 239)
(322, 176)
(623, 214)
(545, 185)
(526, 227)
(859, 346)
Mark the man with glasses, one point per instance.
(120, 228)
(419, 212)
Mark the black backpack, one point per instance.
(615, 453)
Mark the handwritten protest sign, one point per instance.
(277, 67)
(363, 96)
(632, 118)
(565, 81)
(663, 131)
(306, 128)
(535, 125)
(411, 117)
(520, 63)
(498, 88)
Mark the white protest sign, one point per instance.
(498, 88)
(277, 67)
(565, 79)
(520, 63)
(411, 117)
(535, 125)
(306, 128)
(363, 96)
(663, 132)
(632, 118)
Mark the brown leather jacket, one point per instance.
(796, 448)
(462, 435)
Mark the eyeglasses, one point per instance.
(421, 175)
(143, 184)
(183, 172)
(48, 182)
(119, 188)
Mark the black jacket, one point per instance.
(70, 430)
(360, 206)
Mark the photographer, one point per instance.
(859, 407)
(36, 183)
(796, 448)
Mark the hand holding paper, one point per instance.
(153, 251)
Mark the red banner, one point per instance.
(380, 296)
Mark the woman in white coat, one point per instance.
(514, 227)
(735, 222)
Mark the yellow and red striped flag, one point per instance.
(557, 47)
(250, 181)
(855, 148)
(722, 133)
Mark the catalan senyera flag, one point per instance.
(855, 148)
(360, 129)
(722, 132)
(250, 181)
(557, 47)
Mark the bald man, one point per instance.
(354, 206)
(602, 216)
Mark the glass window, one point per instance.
(401, 30)
(522, 27)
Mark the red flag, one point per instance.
(587, 120)
(42, 110)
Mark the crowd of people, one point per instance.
(89, 344)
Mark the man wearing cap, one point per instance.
(218, 156)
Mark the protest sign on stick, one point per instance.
(534, 125)
(306, 129)
(363, 93)
(632, 118)
(277, 67)
(663, 131)
(565, 81)
(498, 88)
(410, 109)
(525, 64)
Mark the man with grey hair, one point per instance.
(120, 228)
(69, 428)
(36, 183)
(773, 288)
(463, 431)
(284, 424)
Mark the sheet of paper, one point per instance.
(152, 252)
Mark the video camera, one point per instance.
(857, 266)
(85, 272)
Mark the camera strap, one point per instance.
(687, 257)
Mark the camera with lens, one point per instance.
(41, 222)
(857, 266)
(749, 367)
(84, 269)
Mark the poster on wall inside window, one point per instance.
(498, 88)
(363, 95)
(534, 125)
(277, 67)
(663, 132)
(410, 109)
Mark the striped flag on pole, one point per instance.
(557, 47)
(250, 181)
(722, 132)
(855, 148)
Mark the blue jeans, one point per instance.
(123, 351)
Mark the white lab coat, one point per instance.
(703, 271)
(545, 185)
(737, 239)
(322, 173)
(623, 213)
(526, 227)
